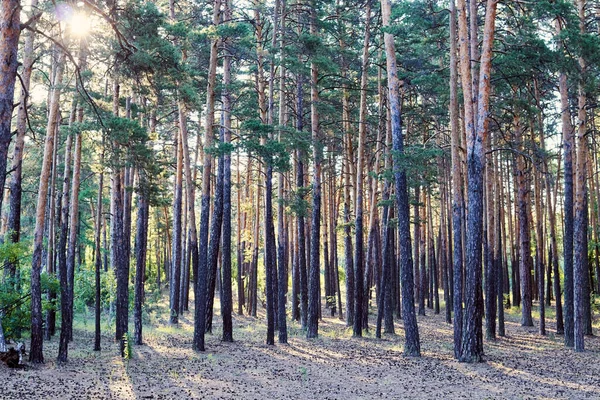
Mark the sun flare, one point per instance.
(80, 24)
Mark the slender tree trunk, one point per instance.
(226, 290)
(359, 252)
(36, 354)
(200, 277)
(567, 145)
(281, 234)
(314, 271)
(67, 320)
(98, 260)
(10, 30)
(580, 226)
(457, 194)
(176, 263)
(14, 217)
(141, 248)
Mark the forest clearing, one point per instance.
(299, 199)
(521, 365)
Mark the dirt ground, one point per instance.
(523, 365)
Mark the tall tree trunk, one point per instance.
(359, 253)
(524, 231)
(457, 194)
(98, 260)
(141, 247)
(281, 233)
(14, 217)
(226, 290)
(314, 270)
(10, 30)
(36, 354)
(176, 263)
(476, 127)
(412, 344)
(200, 277)
(67, 320)
(567, 145)
(580, 226)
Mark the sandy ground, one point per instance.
(523, 365)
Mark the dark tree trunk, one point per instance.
(225, 132)
(176, 263)
(141, 247)
(98, 260)
(214, 245)
(412, 344)
(315, 269)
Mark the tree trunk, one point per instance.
(476, 127)
(226, 290)
(98, 260)
(314, 271)
(200, 277)
(10, 30)
(412, 344)
(36, 354)
(141, 247)
(359, 253)
(457, 194)
(580, 226)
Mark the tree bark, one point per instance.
(36, 354)
(412, 345)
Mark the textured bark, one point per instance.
(10, 30)
(14, 216)
(281, 231)
(457, 194)
(118, 239)
(200, 279)
(348, 250)
(315, 270)
(301, 217)
(67, 321)
(524, 232)
(476, 127)
(141, 248)
(580, 226)
(98, 259)
(36, 354)
(359, 252)
(567, 145)
(63, 270)
(226, 290)
(490, 257)
(176, 262)
(412, 345)
(216, 226)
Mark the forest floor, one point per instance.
(522, 365)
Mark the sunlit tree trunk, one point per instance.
(476, 127)
(14, 217)
(457, 194)
(10, 30)
(36, 348)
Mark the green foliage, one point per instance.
(85, 290)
